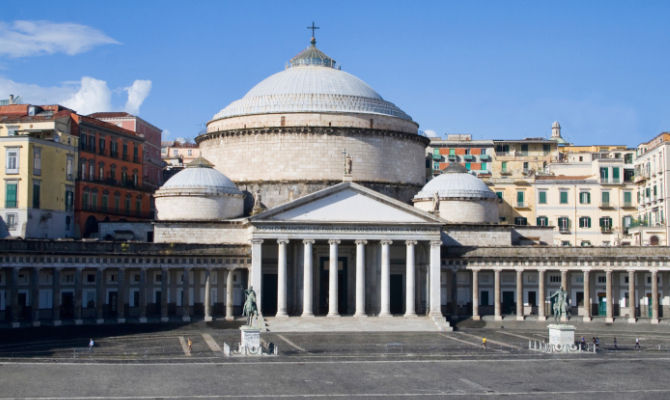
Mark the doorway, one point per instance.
(342, 302)
(602, 304)
(508, 303)
(67, 305)
(269, 297)
(112, 303)
(396, 294)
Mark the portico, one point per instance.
(387, 256)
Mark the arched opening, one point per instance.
(653, 240)
(91, 226)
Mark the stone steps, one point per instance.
(357, 324)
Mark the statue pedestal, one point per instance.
(250, 343)
(561, 336)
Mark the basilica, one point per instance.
(311, 190)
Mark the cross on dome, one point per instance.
(313, 28)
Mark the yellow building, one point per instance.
(39, 157)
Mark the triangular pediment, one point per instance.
(347, 202)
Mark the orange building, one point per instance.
(110, 184)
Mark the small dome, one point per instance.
(200, 176)
(456, 183)
(555, 125)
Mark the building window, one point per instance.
(524, 150)
(483, 168)
(542, 197)
(82, 169)
(36, 194)
(504, 166)
(11, 221)
(10, 194)
(585, 243)
(101, 146)
(519, 199)
(125, 151)
(117, 202)
(542, 221)
(112, 173)
(565, 243)
(584, 198)
(124, 176)
(604, 173)
(84, 200)
(12, 130)
(520, 221)
(605, 198)
(138, 206)
(135, 178)
(584, 222)
(69, 199)
(12, 163)
(467, 166)
(564, 197)
(82, 142)
(101, 171)
(627, 199)
(69, 166)
(564, 224)
(91, 170)
(546, 148)
(94, 199)
(606, 223)
(135, 154)
(37, 161)
(113, 148)
(525, 167)
(554, 278)
(105, 200)
(128, 204)
(615, 174)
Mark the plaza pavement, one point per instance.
(151, 361)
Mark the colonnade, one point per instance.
(360, 274)
(541, 283)
(123, 287)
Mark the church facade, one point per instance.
(311, 190)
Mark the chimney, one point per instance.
(11, 99)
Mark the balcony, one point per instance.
(563, 229)
(452, 158)
(436, 157)
(606, 204)
(628, 204)
(485, 157)
(605, 229)
(468, 157)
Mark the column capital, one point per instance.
(334, 241)
(308, 241)
(361, 241)
(257, 241)
(586, 270)
(410, 242)
(435, 243)
(386, 242)
(475, 269)
(282, 241)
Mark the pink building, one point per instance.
(153, 165)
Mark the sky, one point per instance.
(494, 69)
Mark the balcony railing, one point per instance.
(605, 229)
(563, 229)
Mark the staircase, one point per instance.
(356, 324)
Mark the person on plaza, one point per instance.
(484, 343)
(91, 343)
(583, 342)
(615, 344)
(637, 343)
(597, 342)
(189, 342)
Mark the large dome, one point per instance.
(311, 84)
(456, 183)
(202, 178)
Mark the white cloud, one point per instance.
(136, 94)
(431, 133)
(93, 96)
(85, 96)
(34, 38)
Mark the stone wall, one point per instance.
(187, 207)
(476, 235)
(289, 156)
(346, 120)
(202, 232)
(463, 210)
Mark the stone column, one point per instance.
(385, 305)
(564, 286)
(496, 295)
(56, 297)
(281, 278)
(35, 295)
(332, 278)
(256, 273)
(434, 272)
(307, 279)
(143, 295)
(14, 296)
(100, 302)
(519, 295)
(475, 294)
(186, 298)
(609, 301)
(654, 296)
(541, 315)
(229, 295)
(409, 279)
(165, 276)
(121, 297)
(631, 296)
(78, 295)
(196, 288)
(587, 295)
(208, 290)
(360, 278)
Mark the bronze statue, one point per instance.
(250, 310)
(560, 307)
